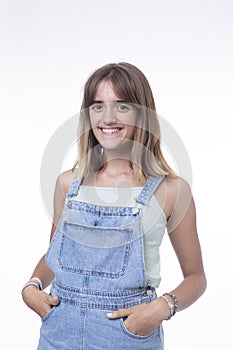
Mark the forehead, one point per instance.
(105, 92)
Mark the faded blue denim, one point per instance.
(96, 255)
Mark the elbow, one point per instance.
(202, 283)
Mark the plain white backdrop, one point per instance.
(48, 49)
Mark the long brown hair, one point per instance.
(130, 84)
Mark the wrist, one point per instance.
(165, 310)
(161, 309)
(171, 301)
(28, 289)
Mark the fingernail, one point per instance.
(109, 314)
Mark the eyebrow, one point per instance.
(99, 101)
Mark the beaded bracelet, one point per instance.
(174, 298)
(172, 306)
(35, 281)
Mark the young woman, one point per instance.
(110, 214)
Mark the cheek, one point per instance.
(95, 132)
(131, 131)
(94, 125)
(93, 121)
(132, 124)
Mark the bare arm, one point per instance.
(145, 318)
(42, 271)
(184, 239)
(40, 301)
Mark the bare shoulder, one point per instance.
(176, 186)
(64, 181)
(179, 197)
(171, 192)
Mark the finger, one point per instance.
(55, 300)
(119, 313)
(52, 301)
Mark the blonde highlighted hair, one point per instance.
(131, 85)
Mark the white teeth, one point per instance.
(110, 131)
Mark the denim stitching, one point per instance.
(149, 188)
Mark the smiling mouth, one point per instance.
(110, 131)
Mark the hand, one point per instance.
(142, 319)
(39, 301)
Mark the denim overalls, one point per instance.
(97, 257)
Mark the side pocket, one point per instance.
(136, 336)
(49, 314)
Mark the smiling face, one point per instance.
(107, 121)
(112, 119)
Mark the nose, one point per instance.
(108, 115)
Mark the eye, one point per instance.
(97, 107)
(123, 107)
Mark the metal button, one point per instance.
(135, 210)
(69, 204)
(149, 292)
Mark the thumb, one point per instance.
(119, 313)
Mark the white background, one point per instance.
(48, 49)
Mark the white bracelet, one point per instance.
(33, 282)
(170, 305)
(37, 280)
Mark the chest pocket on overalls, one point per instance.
(95, 251)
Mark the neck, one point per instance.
(116, 159)
(116, 172)
(117, 166)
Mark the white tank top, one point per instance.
(153, 221)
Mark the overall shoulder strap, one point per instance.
(73, 191)
(148, 189)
